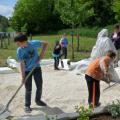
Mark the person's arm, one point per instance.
(57, 47)
(22, 70)
(62, 42)
(111, 37)
(118, 35)
(20, 57)
(106, 63)
(44, 47)
(40, 44)
(107, 74)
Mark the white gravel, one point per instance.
(62, 91)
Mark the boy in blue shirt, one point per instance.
(64, 45)
(27, 54)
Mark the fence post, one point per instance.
(72, 46)
(1, 41)
(30, 36)
(8, 36)
(78, 42)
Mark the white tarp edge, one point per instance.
(6, 70)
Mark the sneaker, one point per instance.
(97, 105)
(28, 109)
(41, 103)
(56, 69)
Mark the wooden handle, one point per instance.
(93, 97)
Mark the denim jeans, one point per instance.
(37, 74)
(64, 52)
(56, 62)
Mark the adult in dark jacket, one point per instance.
(116, 37)
(56, 54)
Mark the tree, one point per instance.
(24, 28)
(73, 12)
(116, 9)
(4, 23)
(103, 12)
(36, 14)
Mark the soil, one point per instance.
(104, 117)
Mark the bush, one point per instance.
(83, 112)
(114, 109)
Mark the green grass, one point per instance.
(86, 45)
(87, 31)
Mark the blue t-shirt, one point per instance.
(64, 42)
(29, 54)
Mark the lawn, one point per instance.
(86, 45)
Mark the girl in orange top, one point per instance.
(96, 71)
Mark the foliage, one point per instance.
(45, 16)
(24, 28)
(83, 112)
(114, 109)
(10, 29)
(73, 12)
(116, 9)
(103, 13)
(84, 12)
(38, 15)
(4, 23)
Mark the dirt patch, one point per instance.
(104, 117)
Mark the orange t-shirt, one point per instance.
(94, 69)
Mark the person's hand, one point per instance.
(23, 80)
(106, 80)
(108, 77)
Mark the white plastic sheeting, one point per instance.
(65, 64)
(6, 70)
(12, 62)
(80, 66)
(103, 44)
(115, 72)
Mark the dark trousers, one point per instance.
(64, 52)
(56, 62)
(37, 73)
(90, 81)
